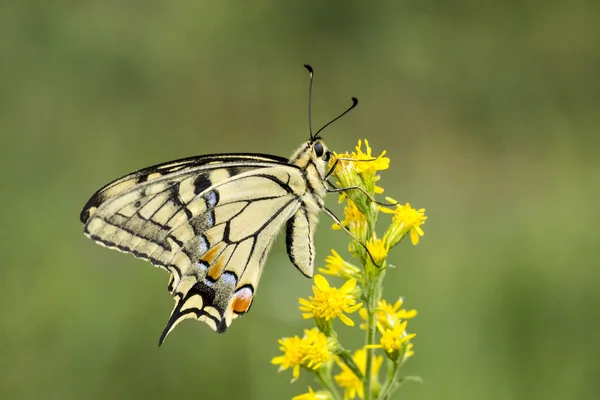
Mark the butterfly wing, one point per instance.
(138, 210)
(211, 226)
(231, 251)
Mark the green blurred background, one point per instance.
(490, 113)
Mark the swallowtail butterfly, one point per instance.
(210, 222)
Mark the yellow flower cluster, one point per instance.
(363, 164)
(359, 169)
(405, 220)
(378, 248)
(388, 315)
(359, 371)
(336, 266)
(391, 323)
(310, 351)
(393, 340)
(354, 220)
(329, 302)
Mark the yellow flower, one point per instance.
(388, 315)
(310, 352)
(378, 250)
(320, 395)
(392, 339)
(318, 349)
(336, 266)
(349, 382)
(356, 222)
(328, 302)
(345, 169)
(352, 217)
(406, 219)
(347, 177)
(395, 310)
(294, 353)
(359, 169)
(370, 164)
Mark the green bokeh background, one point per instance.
(489, 111)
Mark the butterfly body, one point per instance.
(210, 222)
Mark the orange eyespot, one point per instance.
(242, 299)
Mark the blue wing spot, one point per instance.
(211, 198)
(203, 244)
(229, 279)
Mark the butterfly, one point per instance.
(211, 220)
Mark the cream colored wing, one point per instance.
(135, 213)
(300, 232)
(214, 242)
(216, 272)
(205, 170)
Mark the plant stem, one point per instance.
(327, 383)
(371, 304)
(392, 384)
(345, 357)
(391, 369)
(374, 283)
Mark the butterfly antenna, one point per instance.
(310, 84)
(354, 103)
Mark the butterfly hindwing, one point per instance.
(300, 232)
(226, 259)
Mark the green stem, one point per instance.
(391, 384)
(391, 369)
(371, 305)
(345, 357)
(394, 381)
(374, 289)
(370, 351)
(328, 384)
(372, 221)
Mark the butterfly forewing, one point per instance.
(135, 213)
(200, 167)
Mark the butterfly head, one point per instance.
(314, 152)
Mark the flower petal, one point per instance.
(353, 308)
(414, 236)
(321, 283)
(348, 286)
(346, 320)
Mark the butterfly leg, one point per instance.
(335, 163)
(339, 190)
(337, 221)
(331, 170)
